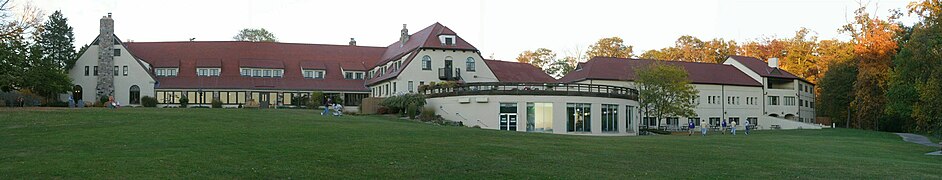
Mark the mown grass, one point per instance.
(240, 143)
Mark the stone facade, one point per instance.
(105, 85)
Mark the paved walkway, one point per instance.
(918, 139)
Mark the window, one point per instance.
(134, 94)
(166, 72)
(315, 74)
(426, 63)
(629, 117)
(539, 117)
(96, 71)
(267, 73)
(246, 72)
(86, 70)
(358, 75)
(773, 100)
(394, 87)
(508, 116)
(695, 120)
(469, 65)
(734, 119)
(353, 75)
(256, 73)
(649, 121)
(117, 52)
(410, 87)
(714, 121)
(115, 71)
(789, 100)
(125, 70)
(249, 72)
(447, 40)
(579, 117)
(207, 71)
(348, 75)
(752, 121)
(673, 122)
(609, 118)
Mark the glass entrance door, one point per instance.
(508, 121)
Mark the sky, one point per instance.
(500, 29)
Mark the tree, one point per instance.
(610, 47)
(665, 91)
(914, 83)
(874, 45)
(692, 49)
(561, 67)
(56, 41)
(540, 57)
(255, 35)
(837, 91)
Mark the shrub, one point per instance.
(412, 111)
(148, 101)
(102, 101)
(428, 114)
(382, 110)
(217, 103)
(317, 99)
(184, 101)
(400, 104)
(56, 104)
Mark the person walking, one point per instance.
(746, 125)
(733, 127)
(690, 127)
(723, 126)
(703, 127)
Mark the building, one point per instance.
(598, 98)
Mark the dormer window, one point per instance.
(166, 72)
(447, 40)
(207, 71)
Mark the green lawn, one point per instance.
(238, 143)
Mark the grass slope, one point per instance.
(237, 143)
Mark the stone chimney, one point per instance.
(353, 42)
(403, 36)
(773, 62)
(105, 85)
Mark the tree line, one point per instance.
(886, 77)
(35, 52)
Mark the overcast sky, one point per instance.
(501, 28)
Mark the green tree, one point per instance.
(665, 91)
(837, 91)
(914, 84)
(255, 35)
(610, 47)
(561, 67)
(56, 41)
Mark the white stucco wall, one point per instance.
(413, 70)
(485, 114)
(137, 75)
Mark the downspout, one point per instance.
(723, 105)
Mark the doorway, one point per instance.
(263, 99)
(77, 93)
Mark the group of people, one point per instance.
(723, 126)
(331, 108)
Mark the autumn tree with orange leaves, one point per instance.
(874, 47)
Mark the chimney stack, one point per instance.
(106, 42)
(353, 42)
(404, 36)
(773, 62)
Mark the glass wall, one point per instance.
(539, 117)
(609, 118)
(579, 117)
(629, 118)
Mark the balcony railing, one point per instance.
(503, 88)
(449, 74)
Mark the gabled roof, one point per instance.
(423, 39)
(507, 71)
(233, 55)
(620, 69)
(762, 68)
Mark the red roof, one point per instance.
(232, 55)
(507, 71)
(208, 63)
(607, 68)
(425, 38)
(762, 68)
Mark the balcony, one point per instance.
(553, 89)
(449, 74)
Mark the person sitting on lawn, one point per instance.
(338, 109)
